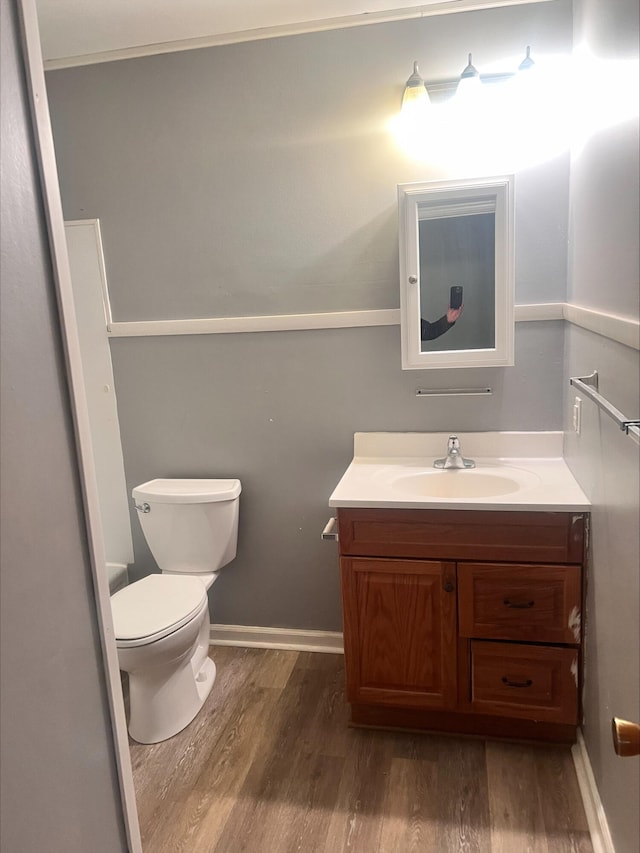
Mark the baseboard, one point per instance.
(291, 639)
(596, 818)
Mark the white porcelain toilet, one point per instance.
(161, 622)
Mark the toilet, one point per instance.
(161, 622)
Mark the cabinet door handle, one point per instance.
(518, 605)
(509, 683)
(449, 586)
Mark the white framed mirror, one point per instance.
(457, 273)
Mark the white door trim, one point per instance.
(57, 242)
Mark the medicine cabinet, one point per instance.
(457, 273)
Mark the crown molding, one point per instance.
(342, 22)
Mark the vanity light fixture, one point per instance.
(527, 63)
(469, 83)
(525, 85)
(415, 97)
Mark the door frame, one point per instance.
(52, 203)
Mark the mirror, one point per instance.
(457, 273)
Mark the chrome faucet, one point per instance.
(454, 457)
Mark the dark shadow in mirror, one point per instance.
(457, 275)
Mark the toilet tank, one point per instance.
(191, 526)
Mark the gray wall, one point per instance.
(261, 178)
(279, 411)
(59, 783)
(604, 274)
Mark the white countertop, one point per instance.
(387, 471)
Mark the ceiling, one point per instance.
(80, 32)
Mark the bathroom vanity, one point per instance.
(462, 614)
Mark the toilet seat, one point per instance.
(154, 607)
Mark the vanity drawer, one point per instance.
(513, 601)
(537, 537)
(536, 682)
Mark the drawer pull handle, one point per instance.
(518, 605)
(507, 681)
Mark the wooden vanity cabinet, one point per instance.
(463, 621)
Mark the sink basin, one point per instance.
(472, 483)
(514, 471)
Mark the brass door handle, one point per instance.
(626, 737)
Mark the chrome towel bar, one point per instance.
(451, 392)
(588, 385)
(330, 532)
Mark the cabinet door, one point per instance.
(400, 632)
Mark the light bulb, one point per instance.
(527, 63)
(469, 85)
(415, 96)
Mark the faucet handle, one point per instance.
(454, 458)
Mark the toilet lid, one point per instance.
(187, 491)
(155, 606)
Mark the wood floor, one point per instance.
(270, 766)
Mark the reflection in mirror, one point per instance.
(457, 271)
(456, 266)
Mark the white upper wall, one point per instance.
(603, 254)
(260, 178)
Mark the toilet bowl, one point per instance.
(161, 622)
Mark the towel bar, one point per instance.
(588, 385)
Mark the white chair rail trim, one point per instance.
(621, 329)
(624, 330)
(269, 323)
(296, 322)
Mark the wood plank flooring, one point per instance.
(271, 766)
